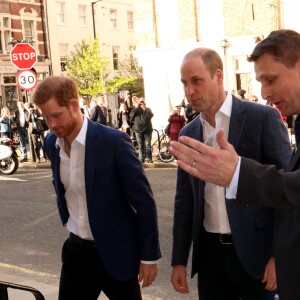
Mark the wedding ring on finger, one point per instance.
(193, 163)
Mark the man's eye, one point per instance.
(196, 81)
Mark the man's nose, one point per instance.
(266, 92)
(189, 90)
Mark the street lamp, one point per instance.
(93, 16)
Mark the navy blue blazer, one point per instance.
(256, 131)
(121, 209)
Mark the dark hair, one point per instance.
(211, 59)
(241, 92)
(61, 88)
(283, 44)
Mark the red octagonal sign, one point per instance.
(23, 56)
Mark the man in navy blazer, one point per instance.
(232, 246)
(104, 200)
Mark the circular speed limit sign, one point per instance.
(26, 80)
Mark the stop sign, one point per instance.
(23, 56)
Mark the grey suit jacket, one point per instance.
(256, 132)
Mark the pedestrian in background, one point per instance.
(104, 200)
(83, 107)
(253, 98)
(241, 94)
(5, 122)
(177, 121)
(190, 114)
(22, 125)
(123, 118)
(97, 113)
(142, 125)
(232, 247)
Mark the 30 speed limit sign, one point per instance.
(27, 80)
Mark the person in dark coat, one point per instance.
(141, 117)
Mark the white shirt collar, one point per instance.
(225, 108)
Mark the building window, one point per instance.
(113, 18)
(82, 14)
(115, 53)
(63, 53)
(6, 22)
(5, 34)
(132, 62)
(60, 12)
(28, 30)
(130, 20)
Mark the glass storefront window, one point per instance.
(9, 79)
(11, 95)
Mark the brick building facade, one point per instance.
(165, 32)
(20, 21)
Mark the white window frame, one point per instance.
(116, 51)
(5, 34)
(60, 12)
(82, 15)
(130, 20)
(113, 18)
(30, 29)
(63, 54)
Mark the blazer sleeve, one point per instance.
(138, 192)
(266, 185)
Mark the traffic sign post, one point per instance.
(27, 80)
(23, 56)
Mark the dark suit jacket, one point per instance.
(121, 209)
(255, 131)
(99, 116)
(277, 189)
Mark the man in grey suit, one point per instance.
(232, 247)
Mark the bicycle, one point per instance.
(160, 146)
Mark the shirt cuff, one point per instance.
(149, 262)
(231, 190)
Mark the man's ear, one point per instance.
(74, 105)
(219, 76)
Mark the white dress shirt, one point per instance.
(215, 213)
(22, 118)
(73, 179)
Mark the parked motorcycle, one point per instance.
(9, 162)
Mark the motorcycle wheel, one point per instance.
(9, 165)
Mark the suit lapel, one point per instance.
(237, 122)
(196, 131)
(91, 147)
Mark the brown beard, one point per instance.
(66, 130)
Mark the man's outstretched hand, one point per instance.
(204, 162)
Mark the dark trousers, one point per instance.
(36, 145)
(83, 275)
(23, 137)
(144, 141)
(222, 276)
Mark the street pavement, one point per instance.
(156, 164)
(50, 289)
